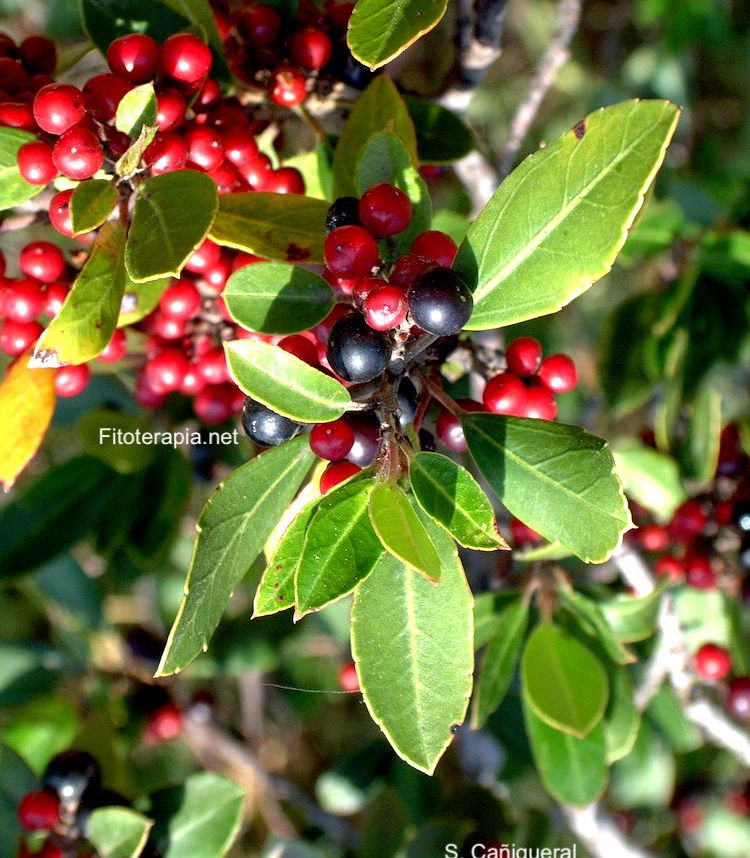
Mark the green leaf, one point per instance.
(137, 110)
(274, 298)
(700, 451)
(595, 623)
(14, 190)
(171, 217)
(442, 136)
(117, 832)
(399, 529)
(633, 618)
(531, 253)
(139, 299)
(199, 819)
(91, 204)
(649, 477)
(128, 163)
(232, 530)
(563, 682)
(282, 227)
(557, 479)
(16, 781)
(276, 588)
(105, 20)
(546, 551)
(452, 497)
(87, 320)
(622, 719)
(500, 661)
(379, 108)
(645, 778)
(380, 30)
(98, 430)
(285, 383)
(574, 771)
(384, 158)
(413, 646)
(341, 548)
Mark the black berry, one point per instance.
(266, 427)
(343, 212)
(70, 774)
(440, 302)
(355, 351)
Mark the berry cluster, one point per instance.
(71, 790)
(289, 58)
(528, 386)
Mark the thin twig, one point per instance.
(600, 834)
(554, 58)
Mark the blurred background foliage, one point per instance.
(80, 635)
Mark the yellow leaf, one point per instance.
(27, 401)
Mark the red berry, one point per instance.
(163, 724)
(350, 251)
(216, 276)
(134, 56)
(23, 301)
(540, 404)
(261, 24)
(384, 210)
(449, 429)
(310, 48)
(226, 177)
(361, 287)
(165, 371)
(300, 347)
(699, 573)
(524, 356)
(256, 171)
(192, 383)
(38, 54)
(713, 662)
(166, 153)
(43, 261)
(78, 154)
(58, 107)
(240, 147)
(348, 679)
(332, 441)
(654, 537)
(670, 567)
(14, 114)
(115, 349)
(208, 95)
(168, 327)
(339, 14)
(205, 257)
(505, 394)
(688, 521)
(738, 698)
(35, 163)
(285, 180)
(17, 337)
(408, 267)
(558, 373)
(385, 308)
(54, 297)
(103, 93)
(59, 213)
(287, 86)
(437, 246)
(215, 403)
(13, 76)
(336, 473)
(212, 367)
(39, 811)
(205, 147)
(180, 299)
(71, 380)
(170, 109)
(522, 534)
(185, 58)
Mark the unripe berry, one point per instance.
(38, 54)
(699, 572)
(261, 24)
(449, 429)
(42, 260)
(654, 537)
(310, 48)
(59, 213)
(115, 349)
(540, 404)
(408, 267)
(287, 86)
(505, 394)
(558, 373)
(54, 297)
(738, 698)
(180, 299)
(300, 347)
(336, 473)
(170, 109)
(17, 337)
(384, 210)
(165, 371)
(240, 147)
(435, 245)
(214, 404)
(332, 441)
(39, 811)
(78, 154)
(185, 58)
(348, 679)
(58, 107)
(71, 380)
(385, 308)
(166, 153)
(205, 147)
(14, 114)
(524, 356)
(134, 56)
(285, 180)
(713, 662)
(35, 163)
(103, 93)
(350, 251)
(212, 366)
(163, 724)
(669, 567)
(366, 430)
(23, 301)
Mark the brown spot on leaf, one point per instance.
(579, 129)
(295, 253)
